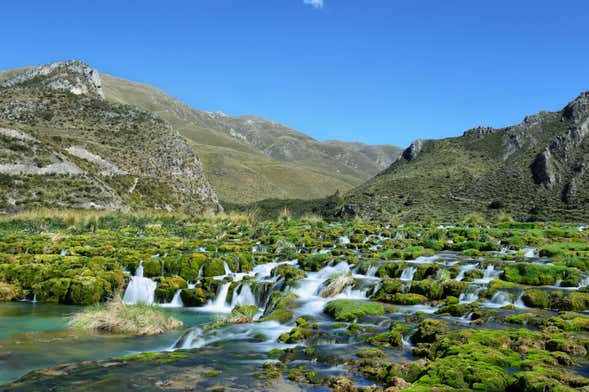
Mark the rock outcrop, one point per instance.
(73, 76)
(412, 152)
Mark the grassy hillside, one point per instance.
(247, 163)
(534, 170)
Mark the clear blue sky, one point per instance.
(378, 71)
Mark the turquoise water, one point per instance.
(35, 336)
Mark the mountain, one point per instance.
(247, 158)
(533, 170)
(63, 145)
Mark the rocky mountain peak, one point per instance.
(73, 76)
(578, 109)
(412, 152)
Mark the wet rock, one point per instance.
(336, 285)
(397, 384)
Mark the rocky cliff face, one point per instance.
(62, 145)
(533, 170)
(73, 76)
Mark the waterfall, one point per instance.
(245, 296)
(463, 269)
(469, 295)
(407, 274)
(530, 253)
(140, 290)
(176, 301)
(519, 303)
(372, 271)
(227, 269)
(501, 298)
(218, 304)
(489, 274)
(344, 240)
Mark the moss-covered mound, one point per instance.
(120, 319)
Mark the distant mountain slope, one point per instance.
(247, 158)
(534, 170)
(63, 145)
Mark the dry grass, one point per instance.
(120, 319)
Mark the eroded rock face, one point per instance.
(73, 76)
(412, 152)
(543, 168)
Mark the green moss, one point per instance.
(349, 310)
(167, 287)
(536, 299)
(536, 274)
(408, 299)
(86, 290)
(429, 330)
(55, 291)
(281, 315)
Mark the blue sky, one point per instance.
(378, 71)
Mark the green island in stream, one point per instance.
(294, 304)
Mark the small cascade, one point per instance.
(502, 298)
(530, 253)
(245, 296)
(489, 274)
(584, 282)
(407, 274)
(176, 301)
(200, 272)
(470, 295)
(463, 269)
(371, 273)
(219, 303)
(34, 298)
(344, 240)
(519, 303)
(406, 342)
(63, 252)
(227, 269)
(140, 290)
(467, 318)
(191, 286)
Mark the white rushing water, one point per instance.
(176, 301)
(407, 274)
(489, 274)
(219, 303)
(140, 290)
(245, 296)
(464, 268)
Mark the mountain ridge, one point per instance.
(62, 145)
(532, 170)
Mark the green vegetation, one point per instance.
(120, 319)
(348, 310)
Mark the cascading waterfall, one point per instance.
(219, 303)
(245, 296)
(469, 295)
(371, 273)
(489, 274)
(176, 301)
(502, 298)
(140, 290)
(463, 269)
(407, 274)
